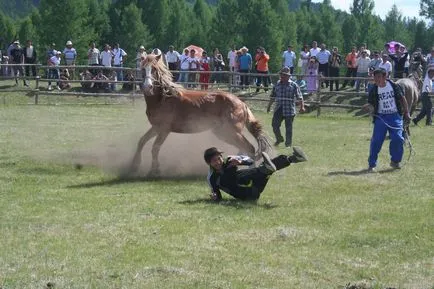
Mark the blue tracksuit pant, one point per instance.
(396, 146)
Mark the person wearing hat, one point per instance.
(245, 66)
(172, 58)
(17, 57)
(285, 93)
(426, 99)
(70, 55)
(387, 103)
(244, 184)
(54, 62)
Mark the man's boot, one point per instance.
(297, 156)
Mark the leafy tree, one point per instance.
(155, 14)
(53, 26)
(130, 39)
(203, 17)
(427, 9)
(362, 11)
(394, 26)
(8, 30)
(27, 30)
(179, 22)
(350, 30)
(98, 21)
(226, 25)
(329, 28)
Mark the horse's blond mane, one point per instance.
(164, 75)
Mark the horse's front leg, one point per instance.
(138, 155)
(155, 168)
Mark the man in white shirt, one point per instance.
(387, 104)
(172, 58)
(70, 55)
(119, 56)
(184, 67)
(289, 59)
(386, 65)
(54, 61)
(106, 59)
(323, 57)
(232, 60)
(315, 49)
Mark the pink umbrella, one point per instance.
(198, 49)
(392, 46)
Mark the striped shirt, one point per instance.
(363, 64)
(323, 56)
(93, 55)
(285, 96)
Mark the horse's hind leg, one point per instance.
(155, 168)
(236, 139)
(138, 155)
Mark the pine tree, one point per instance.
(180, 26)
(8, 30)
(132, 32)
(227, 25)
(155, 14)
(27, 30)
(394, 26)
(203, 18)
(427, 9)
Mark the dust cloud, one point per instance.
(82, 137)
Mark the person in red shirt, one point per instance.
(204, 66)
(351, 60)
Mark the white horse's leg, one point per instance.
(155, 168)
(237, 139)
(138, 155)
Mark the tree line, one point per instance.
(222, 24)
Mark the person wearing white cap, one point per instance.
(55, 73)
(286, 94)
(70, 55)
(426, 99)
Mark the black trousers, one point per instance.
(262, 79)
(426, 109)
(334, 72)
(324, 69)
(172, 66)
(27, 68)
(252, 182)
(351, 72)
(276, 122)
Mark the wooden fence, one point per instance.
(230, 77)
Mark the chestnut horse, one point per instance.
(411, 87)
(171, 108)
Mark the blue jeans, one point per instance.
(383, 124)
(277, 122)
(183, 77)
(119, 73)
(361, 74)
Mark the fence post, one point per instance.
(318, 111)
(37, 89)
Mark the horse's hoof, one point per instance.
(154, 173)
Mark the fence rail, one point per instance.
(230, 84)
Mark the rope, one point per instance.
(405, 134)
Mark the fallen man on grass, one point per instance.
(244, 184)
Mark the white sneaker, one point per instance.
(50, 88)
(58, 88)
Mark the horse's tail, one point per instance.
(255, 128)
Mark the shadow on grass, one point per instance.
(234, 203)
(360, 172)
(127, 180)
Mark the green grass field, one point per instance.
(320, 224)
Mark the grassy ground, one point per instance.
(320, 224)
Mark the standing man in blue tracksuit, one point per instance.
(387, 103)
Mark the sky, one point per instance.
(408, 8)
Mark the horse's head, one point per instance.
(150, 65)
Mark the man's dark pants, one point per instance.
(276, 123)
(334, 72)
(252, 181)
(324, 69)
(262, 79)
(426, 109)
(351, 72)
(172, 67)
